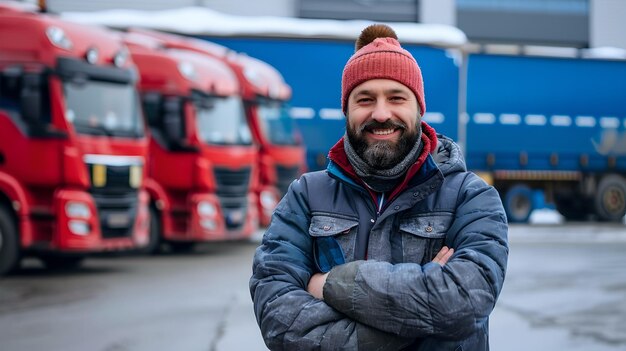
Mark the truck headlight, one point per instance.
(78, 227)
(208, 224)
(77, 210)
(268, 200)
(206, 209)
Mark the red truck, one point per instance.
(265, 93)
(203, 159)
(72, 142)
(282, 151)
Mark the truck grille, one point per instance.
(116, 197)
(117, 213)
(232, 191)
(285, 176)
(232, 182)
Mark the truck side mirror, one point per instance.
(30, 98)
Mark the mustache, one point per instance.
(388, 124)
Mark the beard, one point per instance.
(382, 154)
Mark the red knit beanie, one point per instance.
(379, 56)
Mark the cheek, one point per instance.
(353, 122)
(410, 122)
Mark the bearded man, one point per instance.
(395, 246)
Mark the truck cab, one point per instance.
(203, 158)
(72, 142)
(282, 150)
(282, 156)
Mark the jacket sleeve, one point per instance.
(289, 317)
(448, 302)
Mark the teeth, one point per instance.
(382, 131)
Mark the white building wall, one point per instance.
(607, 23)
(282, 8)
(99, 5)
(606, 17)
(285, 8)
(438, 12)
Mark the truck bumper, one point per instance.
(209, 220)
(76, 225)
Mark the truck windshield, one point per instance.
(222, 121)
(276, 124)
(103, 108)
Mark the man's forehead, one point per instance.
(376, 86)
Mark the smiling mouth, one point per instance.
(383, 131)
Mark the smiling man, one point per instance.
(396, 246)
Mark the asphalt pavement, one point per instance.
(565, 290)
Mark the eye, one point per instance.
(364, 100)
(397, 98)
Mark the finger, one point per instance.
(447, 257)
(440, 254)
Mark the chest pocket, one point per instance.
(423, 236)
(334, 240)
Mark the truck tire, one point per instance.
(518, 204)
(61, 263)
(182, 246)
(154, 234)
(610, 198)
(9, 243)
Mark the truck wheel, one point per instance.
(518, 204)
(9, 243)
(62, 263)
(610, 199)
(182, 247)
(573, 209)
(154, 234)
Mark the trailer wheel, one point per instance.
(610, 199)
(9, 243)
(518, 204)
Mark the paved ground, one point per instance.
(565, 290)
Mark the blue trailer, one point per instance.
(543, 130)
(553, 124)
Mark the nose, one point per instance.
(381, 111)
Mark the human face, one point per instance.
(382, 122)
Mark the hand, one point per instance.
(316, 285)
(443, 255)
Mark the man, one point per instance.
(396, 245)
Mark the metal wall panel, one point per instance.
(99, 5)
(382, 10)
(564, 29)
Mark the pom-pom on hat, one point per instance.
(378, 55)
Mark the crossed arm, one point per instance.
(316, 284)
